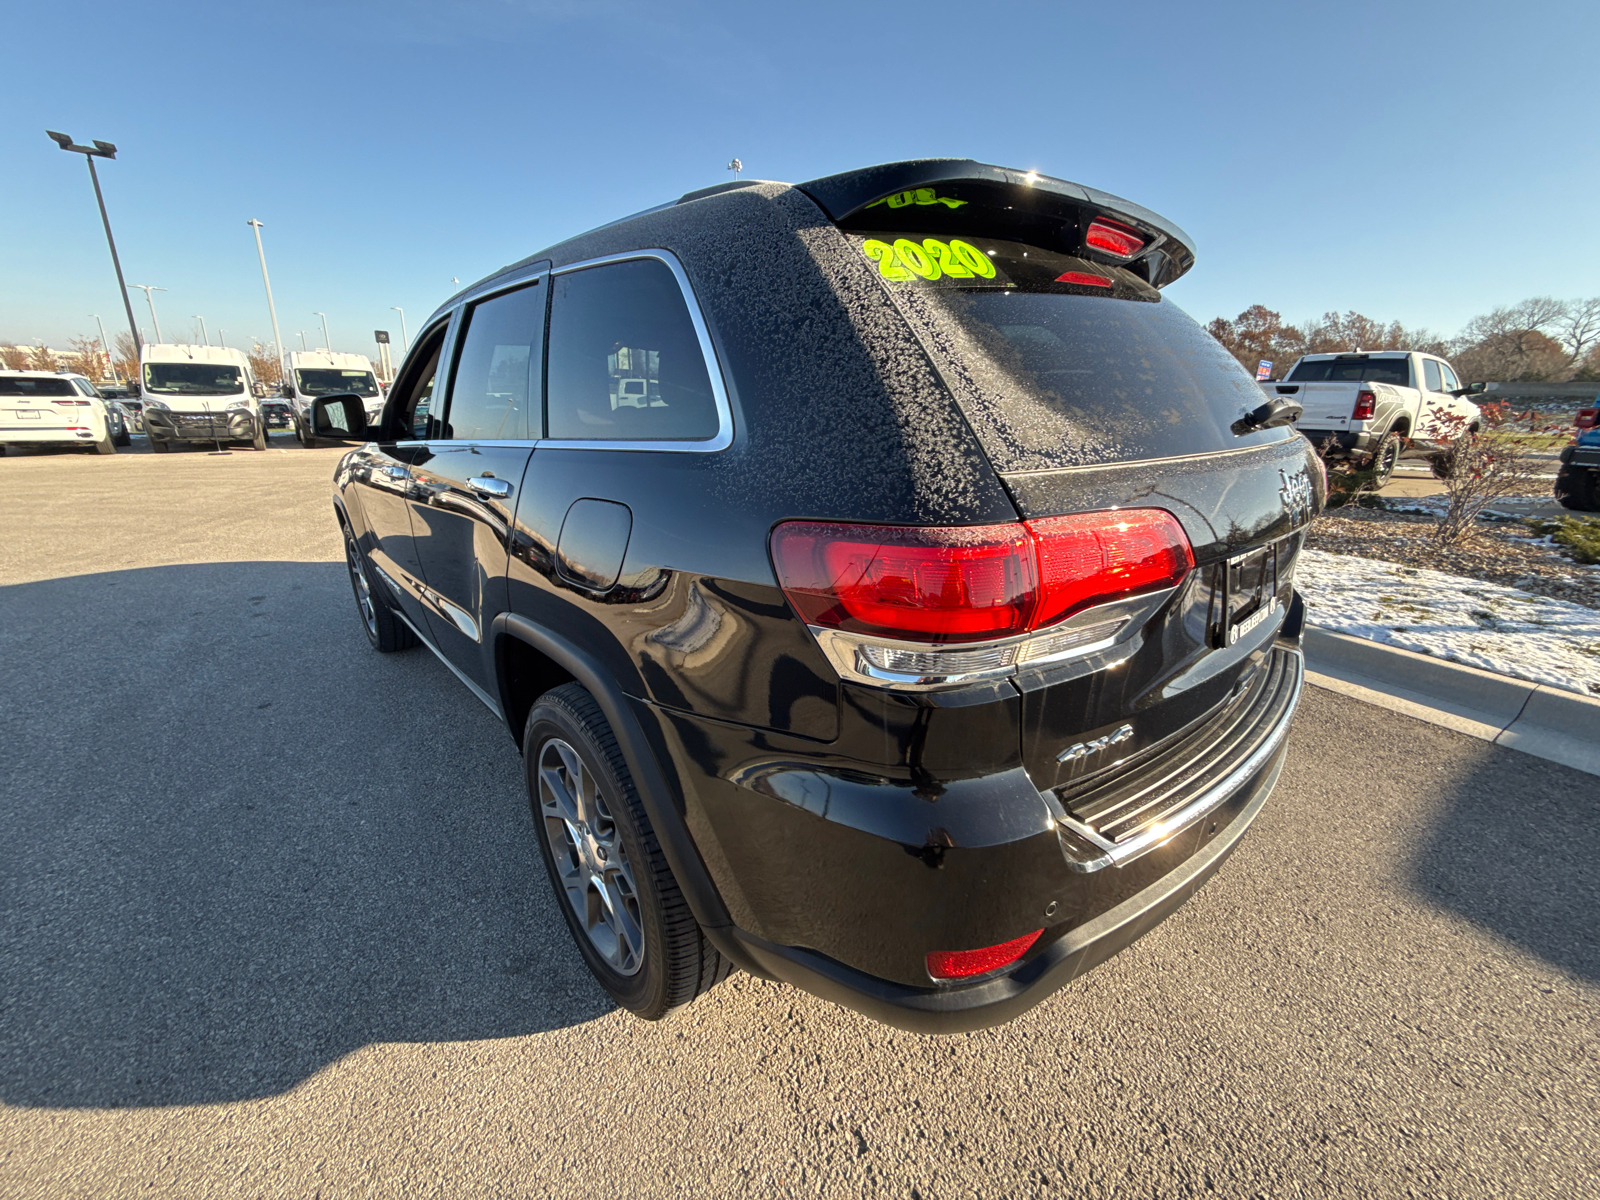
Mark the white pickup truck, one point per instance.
(1377, 402)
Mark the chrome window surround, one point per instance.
(501, 284)
(862, 658)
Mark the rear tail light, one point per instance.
(71, 403)
(963, 964)
(974, 583)
(1083, 279)
(1113, 238)
(1366, 405)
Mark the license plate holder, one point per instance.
(1246, 595)
(27, 414)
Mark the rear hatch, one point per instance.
(27, 404)
(1039, 302)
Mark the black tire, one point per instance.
(1575, 489)
(1385, 455)
(106, 445)
(260, 439)
(674, 962)
(386, 631)
(159, 445)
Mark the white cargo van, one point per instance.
(314, 373)
(198, 394)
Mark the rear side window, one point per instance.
(1430, 372)
(494, 395)
(625, 363)
(1353, 368)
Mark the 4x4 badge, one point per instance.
(1087, 753)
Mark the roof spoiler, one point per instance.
(1167, 256)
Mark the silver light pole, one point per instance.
(302, 339)
(327, 342)
(90, 153)
(220, 342)
(405, 341)
(104, 345)
(205, 339)
(147, 290)
(277, 338)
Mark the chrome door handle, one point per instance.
(489, 488)
(396, 472)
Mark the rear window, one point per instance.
(1353, 368)
(1058, 360)
(36, 387)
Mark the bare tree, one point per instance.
(86, 358)
(265, 366)
(16, 358)
(125, 356)
(43, 359)
(1579, 329)
(1259, 334)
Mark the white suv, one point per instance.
(42, 408)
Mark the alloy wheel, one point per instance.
(590, 859)
(358, 577)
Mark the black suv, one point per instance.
(889, 591)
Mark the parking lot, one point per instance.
(274, 923)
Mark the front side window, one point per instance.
(327, 381)
(192, 379)
(1449, 378)
(412, 399)
(625, 361)
(1430, 372)
(494, 395)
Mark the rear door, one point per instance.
(464, 492)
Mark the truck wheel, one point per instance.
(1384, 457)
(385, 630)
(1575, 489)
(159, 445)
(106, 445)
(612, 883)
(260, 440)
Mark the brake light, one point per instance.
(962, 964)
(1113, 238)
(72, 403)
(1083, 278)
(1366, 405)
(973, 583)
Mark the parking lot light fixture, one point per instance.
(220, 341)
(405, 340)
(90, 153)
(150, 300)
(105, 346)
(277, 338)
(205, 339)
(327, 342)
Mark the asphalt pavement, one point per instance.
(272, 922)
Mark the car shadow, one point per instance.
(1517, 853)
(239, 844)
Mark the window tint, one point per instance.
(34, 387)
(1450, 382)
(625, 364)
(497, 368)
(1430, 372)
(1353, 368)
(413, 394)
(86, 387)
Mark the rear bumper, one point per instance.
(841, 880)
(26, 435)
(1046, 970)
(1343, 441)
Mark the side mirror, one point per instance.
(1472, 389)
(342, 418)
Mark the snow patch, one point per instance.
(1483, 625)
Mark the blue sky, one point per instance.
(1420, 162)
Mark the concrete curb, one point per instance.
(1533, 718)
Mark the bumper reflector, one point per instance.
(962, 964)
